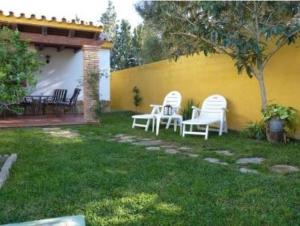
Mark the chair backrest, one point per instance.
(212, 105)
(174, 99)
(60, 95)
(74, 97)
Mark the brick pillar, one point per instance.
(90, 82)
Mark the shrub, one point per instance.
(256, 130)
(18, 65)
(137, 99)
(187, 110)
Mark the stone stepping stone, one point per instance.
(193, 155)
(215, 161)
(51, 129)
(184, 148)
(246, 170)
(148, 143)
(126, 137)
(284, 169)
(78, 220)
(63, 133)
(224, 152)
(126, 141)
(120, 135)
(145, 139)
(5, 168)
(168, 146)
(251, 160)
(171, 151)
(155, 148)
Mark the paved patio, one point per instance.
(44, 120)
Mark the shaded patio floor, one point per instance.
(43, 120)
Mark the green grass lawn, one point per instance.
(121, 184)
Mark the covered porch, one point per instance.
(70, 51)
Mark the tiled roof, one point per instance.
(11, 18)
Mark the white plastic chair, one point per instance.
(157, 114)
(212, 112)
(172, 99)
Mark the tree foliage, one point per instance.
(137, 44)
(18, 65)
(132, 49)
(153, 48)
(249, 32)
(143, 45)
(109, 21)
(122, 52)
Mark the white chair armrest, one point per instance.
(156, 109)
(213, 111)
(196, 112)
(155, 105)
(196, 108)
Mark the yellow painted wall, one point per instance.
(198, 77)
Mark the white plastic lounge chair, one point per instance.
(157, 114)
(212, 112)
(148, 117)
(173, 100)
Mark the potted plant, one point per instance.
(280, 121)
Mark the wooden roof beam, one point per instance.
(71, 33)
(96, 35)
(59, 40)
(60, 48)
(44, 30)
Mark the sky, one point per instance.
(87, 10)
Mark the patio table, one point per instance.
(37, 103)
(158, 117)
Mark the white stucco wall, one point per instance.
(104, 88)
(65, 71)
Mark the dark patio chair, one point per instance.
(70, 104)
(59, 96)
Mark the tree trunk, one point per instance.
(262, 89)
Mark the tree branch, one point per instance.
(279, 46)
(216, 46)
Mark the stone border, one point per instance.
(4, 173)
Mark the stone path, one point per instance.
(246, 170)
(5, 168)
(215, 161)
(250, 160)
(224, 152)
(153, 148)
(2, 159)
(58, 132)
(284, 169)
(172, 149)
(154, 145)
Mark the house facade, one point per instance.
(69, 50)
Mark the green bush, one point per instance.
(18, 65)
(187, 110)
(256, 130)
(137, 99)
